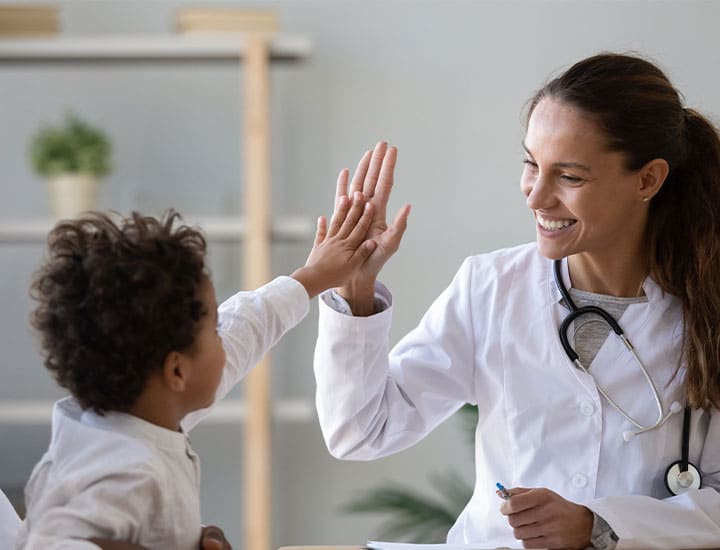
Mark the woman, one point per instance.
(624, 184)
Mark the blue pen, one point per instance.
(502, 491)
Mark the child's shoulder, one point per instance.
(94, 446)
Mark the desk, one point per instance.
(333, 548)
(361, 548)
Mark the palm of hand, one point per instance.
(374, 177)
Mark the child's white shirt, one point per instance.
(118, 477)
(9, 522)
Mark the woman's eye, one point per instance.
(530, 163)
(571, 179)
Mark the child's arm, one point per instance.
(339, 250)
(252, 322)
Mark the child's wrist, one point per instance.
(308, 279)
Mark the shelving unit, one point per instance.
(215, 228)
(255, 227)
(37, 412)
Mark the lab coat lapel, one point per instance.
(648, 327)
(558, 312)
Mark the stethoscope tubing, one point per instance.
(576, 312)
(681, 475)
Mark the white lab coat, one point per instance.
(491, 339)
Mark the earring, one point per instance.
(645, 199)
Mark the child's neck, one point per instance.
(159, 408)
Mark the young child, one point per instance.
(130, 326)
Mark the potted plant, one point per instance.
(73, 156)
(414, 516)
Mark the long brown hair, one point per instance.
(643, 117)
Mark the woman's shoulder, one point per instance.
(507, 261)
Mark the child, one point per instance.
(130, 326)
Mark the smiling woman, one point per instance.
(624, 184)
(583, 196)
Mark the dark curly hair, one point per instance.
(113, 299)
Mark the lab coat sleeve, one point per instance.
(117, 507)
(690, 520)
(371, 403)
(250, 323)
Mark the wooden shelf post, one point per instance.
(257, 451)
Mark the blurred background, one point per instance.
(444, 80)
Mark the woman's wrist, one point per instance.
(360, 296)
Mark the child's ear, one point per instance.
(176, 371)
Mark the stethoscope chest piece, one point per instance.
(678, 482)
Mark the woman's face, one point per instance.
(582, 197)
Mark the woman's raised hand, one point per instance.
(374, 177)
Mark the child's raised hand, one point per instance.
(340, 249)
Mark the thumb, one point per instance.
(213, 538)
(364, 251)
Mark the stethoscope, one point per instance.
(681, 475)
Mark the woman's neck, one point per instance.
(617, 276)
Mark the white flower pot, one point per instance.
(71, 194)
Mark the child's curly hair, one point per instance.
(113, 300)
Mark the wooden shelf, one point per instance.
(253, 54)
(216, 229)
(143, 48)
(34, 412)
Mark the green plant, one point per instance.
(412, 516)
(71, 147)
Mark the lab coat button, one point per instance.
(579, 480)
(587, 408)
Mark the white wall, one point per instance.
(444, 80)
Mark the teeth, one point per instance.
(552, 225)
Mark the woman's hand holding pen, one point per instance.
(374, 178)
(541, 518)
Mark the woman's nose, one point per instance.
(538, 193)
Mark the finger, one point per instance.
(341, 186)
(213, 538)
(338, 217)
(320, 230)
(359, 231)
(535, 542)
(376, 161)
(397, 229)
(520, 499)
(526, 517)
(363, 252)
(359, 175)
(385, 182)
(356, 211)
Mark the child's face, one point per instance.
(207, 355)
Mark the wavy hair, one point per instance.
(113, 299)
(643, 117)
